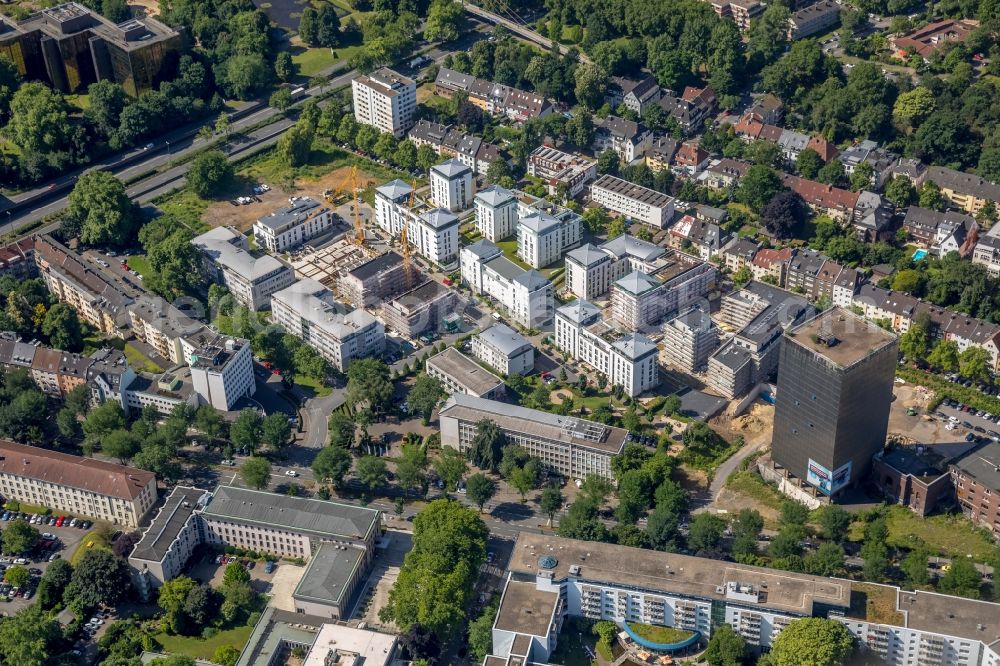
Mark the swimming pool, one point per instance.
(919, 254)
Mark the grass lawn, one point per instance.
(509, 248)
(313, 385)
(140, 264)
(659, 634)
(946, 535)
(95, 539)
(875, 603)
(749, 483)
(79, 101)
(571, 649)
(324, 158)
(197, 647)
(22, 506)
(140, 361)
(187, 207)
(312, 61)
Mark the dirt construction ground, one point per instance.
(920, 428)
(224, 213)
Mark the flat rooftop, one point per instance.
(565, 429)
(525, 609)
(673, 573)
(167, 524)
(331, 571)
(841, 337)
(296, 514)
(982, 464)
(635, 192)
(465, 372)
(955, 616)
(368, 647)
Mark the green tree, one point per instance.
(596, 488)
(961, 579)
(102, 421)
(54, 581)
(814, 641)
(372, 472)
(916, 342)
(332, 464)
(975, 363)
(280, 99)
(616, 228)
(235, 573)
(29, 638)
(827, 560)
(247, 429)
(209, 173)
(481, 633)
(171, 598)
(480, 489)
(284, 67)
(101, 210)
(808, 163)
(120, 444)
(944, 355)
(591, 85)
(793, 513)
(256, 472)
(913, 107)
(835, 522)
(662, 527)
(276, 431)
(341, 428)
(63, 328)
(405, 156)
(768, 35)
(726, 647)
(523, 480)
(930, 196)
(914, 567)
(226, 655)
(705, 532)
(176, 266)
(99, 578)
(427, 391)
(295, 144)
(758, 186)
(17, 576)
(486, 449)
(368, 385)
(106, 101)
(245, 75)
(445, 21)
(900, 191)
(450, 466)
(832, 173)
(39, 120)
(861, 177)
(551, 502)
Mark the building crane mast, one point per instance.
(359, 230)
(407, 275)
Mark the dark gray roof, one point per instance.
(965, 183)
(504, 267)
(982, 464)
(579, 311)
(505, 339)
(635, 346)
(532, 280)
(330, 572)
(167, 524)
(377, 265)
(296, 514)
(484, 249)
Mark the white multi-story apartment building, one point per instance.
(386, 100)
(432, 232)
(588, 271)
(174, 334)
(460, 374)
(504, 349)
(293, 225)
(391, 202)
(251, 280)
(559, 578)
(557, 169)
(635, 202)
(542, 238)
(222, 371)
(337, 539)
(74, 485)
(496, 213)
(637, 301)
(628, 361)
(308, 310)
(525, 294)
(451, 185)
(575, 447)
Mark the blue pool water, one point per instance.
(919, 254)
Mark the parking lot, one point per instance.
(57, 542)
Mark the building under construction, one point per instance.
(378, 280)
(420, 309)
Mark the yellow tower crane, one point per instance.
(359, 230)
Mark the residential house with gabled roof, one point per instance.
(630, 140)
(942, 233)
(661, 152)
(771, 265)
(691, 158)
(873, 217)
(825, 199)
(702, 238)
(767, 109)
(825, 149)
(791, 144)
(635, 94)
(739, 253)
(987, 250)
(723, 174)
(469, 149)
(964, 190)
(880, 159)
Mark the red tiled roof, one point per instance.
(821, 194)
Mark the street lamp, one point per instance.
(168, 147)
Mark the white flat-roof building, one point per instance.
(222, 371)
(251, 280)
(496, 213)
(309, 311)
(559, 168)
(543, 238)
(525, 294)
(386, 100)
(635, 202)
(337, 645)
(293, 225)
(591, 270)
(72, 484)
(451, 185)
(460, 374)
(628, 361)
(504, 349)
(573, 446)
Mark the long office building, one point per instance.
(635, 202)
(460, 374)
(526, 295)
(338, 540)
(835, 381)
(575, 447)
(78, 486)
(551, 579)
(70, 47)
(251, 280)
(628, 361)
(308, 311)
